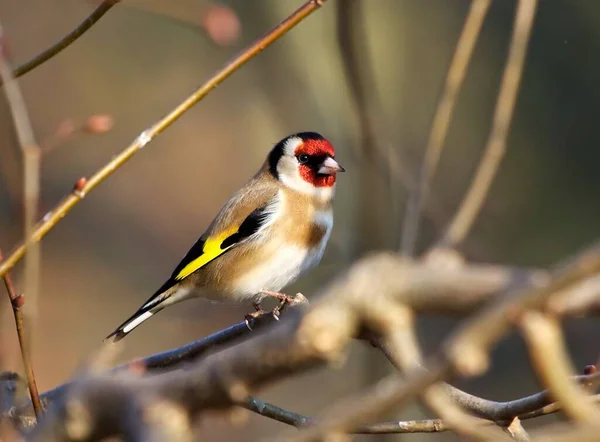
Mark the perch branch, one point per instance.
(16, 302)
(57, 47)
(496, 143)
(441, 122)
(61, 210)
(448, 291)
(301, 341)
(170, 359)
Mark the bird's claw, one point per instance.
(250, 317)
(276, 312)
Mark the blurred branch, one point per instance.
(16, 302)
(279, 414)
(302, 340)
(31, 195)
(57, 47)
(349, 20)
(60, 211)
(517, 431)
(549, 356)
(169, 360)
(527, 407)
(402, 350)
(441, 122)
(496, 143)
(465, 352)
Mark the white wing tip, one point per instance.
(137, 321)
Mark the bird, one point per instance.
(269, 233)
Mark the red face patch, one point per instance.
(315, 148)
(310, 175)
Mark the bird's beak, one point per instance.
(330, 166)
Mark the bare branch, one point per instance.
(466, 347)
(279, 414)
(517, 431)
(549, 357)
(31, 194)
(54, 216)
(496, 143)
(465, 351)
(441, 122)
(402, 349)
(57, 47)
(16, 301)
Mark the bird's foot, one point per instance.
(285, 299)
(250, 317)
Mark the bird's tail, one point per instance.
(169, 293)
(136, 319)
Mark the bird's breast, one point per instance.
(289, 249)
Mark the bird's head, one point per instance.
(305, 162)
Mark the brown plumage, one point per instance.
(264, 237)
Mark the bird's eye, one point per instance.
(302, 158)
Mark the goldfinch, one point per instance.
(269, 233)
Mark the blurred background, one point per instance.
(113, 250)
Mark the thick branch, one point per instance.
(465, 351)
(301, 341)
(446, 291)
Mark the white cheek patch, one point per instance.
(291, 145)
(289, 175)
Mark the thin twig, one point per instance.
(16, 302)
(517, 431)
(31, 194)
(282, 415)
(549, 356)
(31, 173)
(441, 122)
(496, 143)
(64, 42)
(60, 211)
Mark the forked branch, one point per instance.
(496, 143)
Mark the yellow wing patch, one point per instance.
(211, 250)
